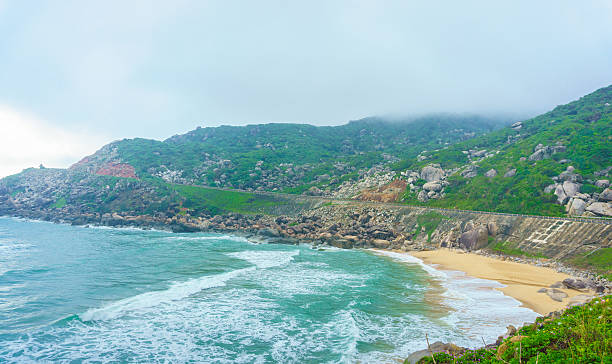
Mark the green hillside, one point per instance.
(581, 133)
(288, 157)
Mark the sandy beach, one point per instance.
(522, 280)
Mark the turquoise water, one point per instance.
(75, 294)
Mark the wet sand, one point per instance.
(522, 280)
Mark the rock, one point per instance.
(470, 172)
(432, 174)
(432, 186)
(600, 208)
(580, 299)
(550, 188)
(510, 173)
(422, 196)
(570, 188)
(492, 228)
(602, 183)
(474, 239)
(557, 285)
(576, 284)
(539, 154)
(556, 295)
(570, 176)
(381, 243)
(491, 173)
(560, 193)
(517, 125)
(314, 191)
(606, 195)
(577, 207)
(543, 290)
(437, 347)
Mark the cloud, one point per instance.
(27, 141)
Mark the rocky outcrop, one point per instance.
(544, 152)
(510, 173)
(432, 173)
(600, 209)
(491, 173)
(470, 172)
(474, 239)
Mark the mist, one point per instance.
(152, 69)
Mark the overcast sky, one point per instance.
(78, 74)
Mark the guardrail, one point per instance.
(595, 220)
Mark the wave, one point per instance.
(407, 258)
(238, 239)
(264, 259)
(177, 291)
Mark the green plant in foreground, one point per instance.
(583, 334)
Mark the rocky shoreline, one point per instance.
(342, 226)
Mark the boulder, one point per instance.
(381, 243)
(510, 173)
(432, 174)
(492, 228)
(470, 172)
(550, 188)
(580, 299)
(556, 295)
(577, 207)
(474, 239)
(602, 183)
(539, 154)
(570, 176)
(437, 347)
(570, 188)
(576, 284)
(491, 173)
(560, 193)
(422, 196)
(432, 186)
(600, 208)
(606, 195)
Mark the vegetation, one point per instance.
(508, 248)
(599, 260)
(583, 334)
(293, 157)
(429, 221)
(582, 126)
(208, 201)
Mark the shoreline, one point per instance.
(521, 281)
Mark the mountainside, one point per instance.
(282, 157)
(553, 164)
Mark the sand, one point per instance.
(522, 280)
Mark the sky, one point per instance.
(75, 75)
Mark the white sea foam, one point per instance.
(175, 292)
(266, 258)
(407, 258)
(477, 308)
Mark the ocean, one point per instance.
(79, 294)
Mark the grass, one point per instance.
(583, 334)
(508, 248)
(599, 260)
(61, 202)
(430, 221)
(201, 199)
